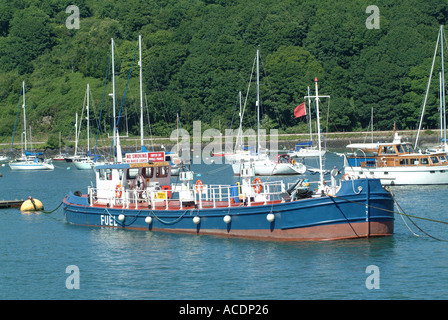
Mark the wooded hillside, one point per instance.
(198, 54)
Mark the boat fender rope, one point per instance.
(170, 222)
(122, 224)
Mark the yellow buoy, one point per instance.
(31, 205)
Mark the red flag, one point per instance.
(300, 110)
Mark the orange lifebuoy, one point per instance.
(199, 186)
(257, 185)
(118, 190)
(346, 177)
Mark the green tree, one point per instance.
(29, 36)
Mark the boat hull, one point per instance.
(31, 166)
(347, 215)
(266, 168)
(403, 176)
(83, 165)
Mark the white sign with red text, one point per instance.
(141, 157)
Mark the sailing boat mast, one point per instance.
(88, 120)
(258, 103)
(427, 89)
(309, 116)
(76, 134)
(113, 99)
(443, 86)
(318, 136)
(141, 89)
(24, 112)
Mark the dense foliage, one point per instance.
(198, 54)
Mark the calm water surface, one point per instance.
(36, 249)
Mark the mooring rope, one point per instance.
(397, 212)
(48, 212)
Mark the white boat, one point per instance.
(397, 163)
(302, 151)
(86, 162)
(29, 160)
(83, 163)
(280, 165)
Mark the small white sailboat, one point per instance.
(86, 162)
(306, 149)
(281, 165)
(29, 160)
(263, 165)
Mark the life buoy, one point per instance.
(293, 161)
(257, 185)
(118, 190)
(199, 186)
(346, 176)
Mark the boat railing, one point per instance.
(208, 196)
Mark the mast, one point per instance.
(141, 89)
(24, 112)
(76, 133)
(258, 103)
(87, 108)
(321, 180)
(177, 131)
(427, 91)
(441, 106)
(113, 99)
(239, 138)
(309, 116)
(443, 84)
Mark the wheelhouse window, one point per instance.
(424, 161)
(404, 162)
(408, 148)
(162, 172)
(389, 150)
(434, 160)
(132, 173)
(148, 172)
(442, 158)
(414, 161)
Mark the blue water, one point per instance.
(36, 249)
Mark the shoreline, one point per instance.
(332, 140)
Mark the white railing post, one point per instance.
(166, 199)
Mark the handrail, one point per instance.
(211, 195)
